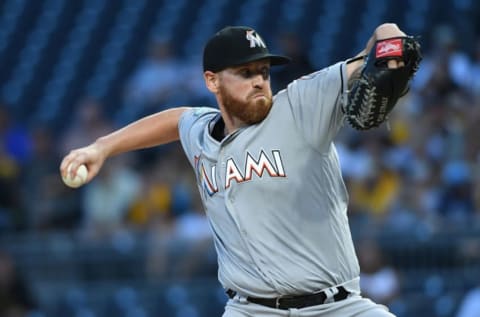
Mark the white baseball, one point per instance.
(79, 179)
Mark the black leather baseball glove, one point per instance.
(376, 91)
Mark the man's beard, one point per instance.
(249, 112)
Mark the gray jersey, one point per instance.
(273, 191)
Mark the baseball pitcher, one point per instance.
(268, 172)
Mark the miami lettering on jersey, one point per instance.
(273, 167)
(209, 184)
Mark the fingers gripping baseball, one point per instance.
(90, 156)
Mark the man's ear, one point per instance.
(211, 81)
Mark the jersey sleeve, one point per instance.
(191, 127)
(316, 101)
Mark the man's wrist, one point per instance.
(104, 147)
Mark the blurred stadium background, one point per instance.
(135, 241)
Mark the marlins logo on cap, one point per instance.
(237, 45)
(255, 39)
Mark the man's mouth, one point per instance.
(258, 96)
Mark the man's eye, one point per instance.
(265, 73)
(246, 73)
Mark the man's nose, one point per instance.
(258, 81)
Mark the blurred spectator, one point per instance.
(155, 84)
(456, 201)
(376, 194)
(470, 304)
(14, 151)
(16, 299)
(379, 281)
(446, 68)
(15, 140)
(10, 202)
(291, 45)
(191, 222)
(154, 200)
(106, 199)
(475, 84)
(171, 211)
(476, 190)
(357, 161)
(194, 91)
(88, 123)
(159, 263)
(180, 243)
(192, 232)
(49, 204)
(373, 190)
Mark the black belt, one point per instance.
(287, 302)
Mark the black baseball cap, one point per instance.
(237, 45)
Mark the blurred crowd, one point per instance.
(418, 169)
(417, 173)
(421, 169)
